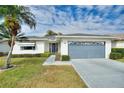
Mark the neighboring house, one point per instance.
(4, 47)
(74, 45)
(119, 41)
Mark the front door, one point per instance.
(53, 47)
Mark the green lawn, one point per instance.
(29, 72)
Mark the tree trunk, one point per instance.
(8, 60)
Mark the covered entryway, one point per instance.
(81, 49)
(53, 47)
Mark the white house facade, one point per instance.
(75, 45)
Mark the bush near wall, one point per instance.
(115, 55)
(1, 54)
(118, 50)
(46, 54)
(25, 55)
(65, 58)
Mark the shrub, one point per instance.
(115, 55)
(65, 58)
(46, 54)
(1, 54)
(25, 55)
(118, 50)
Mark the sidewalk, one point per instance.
(51, 61)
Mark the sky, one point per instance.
(77, 19)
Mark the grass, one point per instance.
(29, 72)
(121, 60)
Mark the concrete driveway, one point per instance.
(100, 73)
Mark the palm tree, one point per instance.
(14, 16)
(52, 33)
(5, 34)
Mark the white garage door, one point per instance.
(79, 49)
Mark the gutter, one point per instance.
(104, 37)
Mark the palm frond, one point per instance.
(28, 19)
(15, 16)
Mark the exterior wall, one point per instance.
(4, 47)
(108, 47)
(46, 46)
(59, 47)
(64, 45)
(40, 48)
(118, 44)
(113, 44)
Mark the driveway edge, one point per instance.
(81, 76)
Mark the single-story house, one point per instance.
(74, 45)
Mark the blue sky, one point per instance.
(77, 19)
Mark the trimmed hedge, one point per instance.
(25, 55)
(118, 50)
(65, 58)
(46, 54)
(115, 55)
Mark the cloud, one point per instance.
(81, 19)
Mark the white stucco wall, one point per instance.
(59, 47)
(4, 47)
(64, 45)
(108, 47)
(118, 44)
(46, 46)
(40, 48)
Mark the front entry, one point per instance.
(53, 47)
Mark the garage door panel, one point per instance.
(77, 52)
(87, 50)
(96, 52)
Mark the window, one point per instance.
(27, 47)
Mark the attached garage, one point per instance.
(81, 49)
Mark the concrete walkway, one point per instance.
(51, 61)
(100, 73)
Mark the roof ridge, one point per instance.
(85, 34)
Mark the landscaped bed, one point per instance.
(121, 60)
(29, 72)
